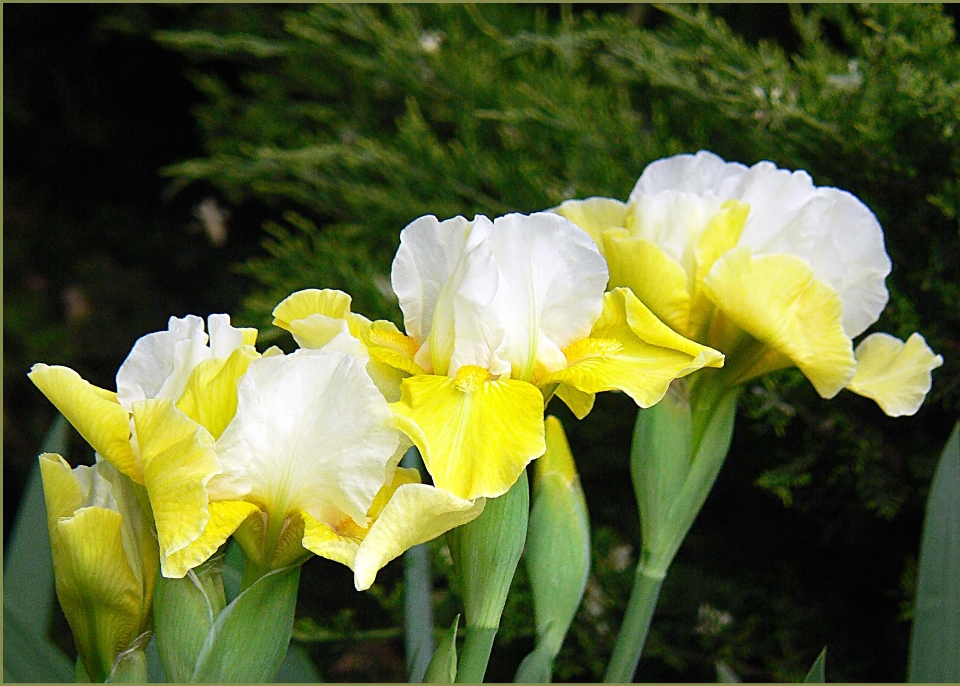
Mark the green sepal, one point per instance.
(677, 452)
(935, 635)
(251, 635)
(817, 673)
(185, 611)
(486, 552)
(557, 552)
(443, 665)
(130, 667)
(536, 667)
(485, 555)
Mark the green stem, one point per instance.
(636, 624)
(477, 646)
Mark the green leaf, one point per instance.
(297, 668)
(28, 582)
(28, 657)
(725, 675)
(443, 666)
(536, 668)
(185, 611)
(418, 597)
(250, 637)
(934, 655)
(817, 674)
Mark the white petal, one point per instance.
(444, 277)
(160, 363)
(311, 432)
(550, 288)
(224, 338)
(829, 228)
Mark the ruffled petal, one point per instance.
(594, 215)
(311, 433)
(831, 229)
(778, 301)
(475, 435)
(94, 412)
(160, 363)
(178, 461)
(414, 514)
(895, 374)
(323, 540)
(225, 518)
(550, 289)
(631, 350)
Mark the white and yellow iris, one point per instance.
(104, 559)
(764, 266)
(299, 452)
(499, 315)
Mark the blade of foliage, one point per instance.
(934, 656)
(29, 658)
(725, 675)
(250, 637)
(817, 673)
(443, 665)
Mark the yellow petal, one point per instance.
(414, 514)
(475, 435)
(658, 280)
(210, 398)
(326, 542)
(778, 301)
(580, 403)
(98, 591)
(894, 373)
(178, 461)
(631, 350)
(61, 490)
(225, 518)
(594, 215)
(94, 412)
(302, 304)
(557, 459)
(719, 237)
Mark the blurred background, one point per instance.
(170, 159)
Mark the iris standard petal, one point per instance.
(549, 290)
(778, 301)
(476, 435)
(94, 412)
(893, 373)
(210, 396)
(594, 215)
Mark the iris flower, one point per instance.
(299, 452)
(499, 316)
(104, 560)
(766, 267)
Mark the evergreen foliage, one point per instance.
(354, 120)
(350, 121)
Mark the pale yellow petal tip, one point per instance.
(302, 304)
(558, 459)
(895, 374)
(416, 513)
